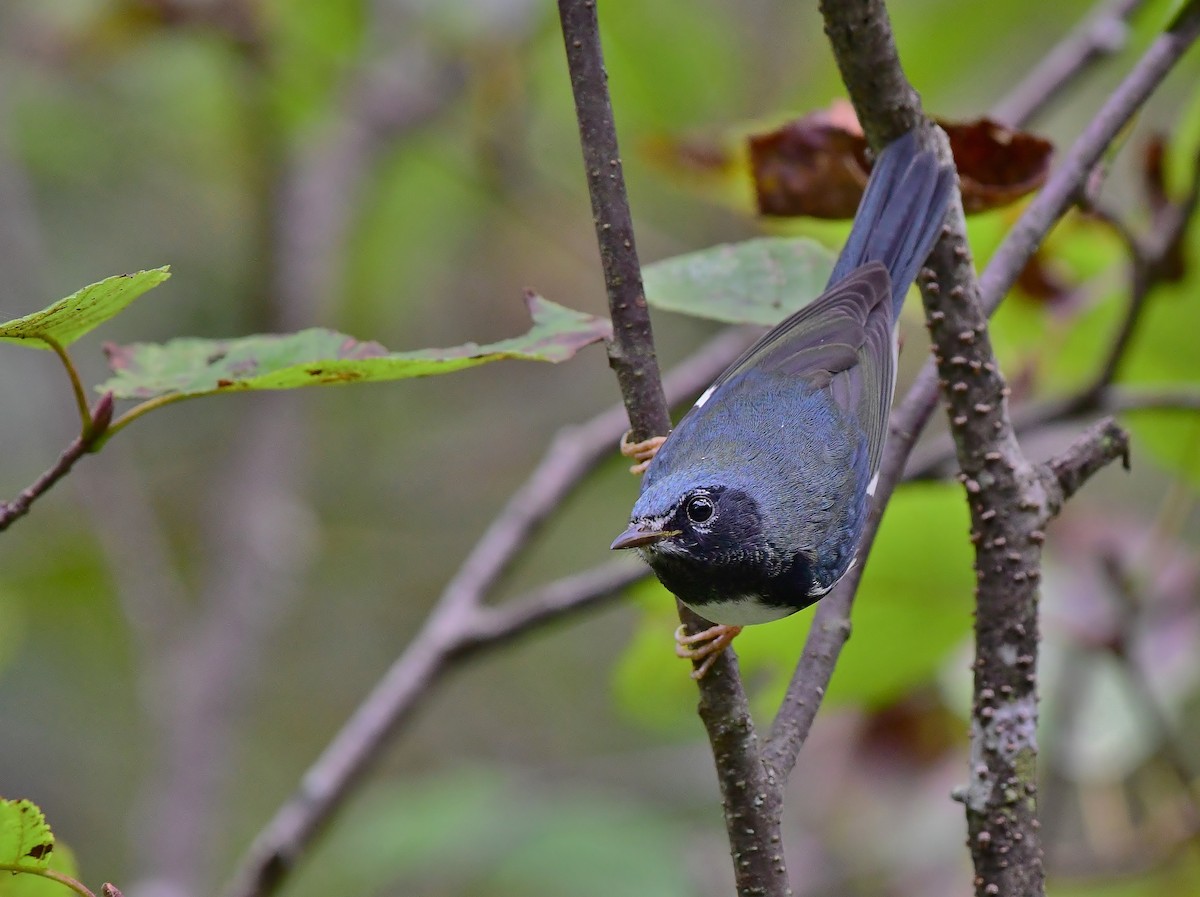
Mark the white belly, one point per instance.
(742, 611)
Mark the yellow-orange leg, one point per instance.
(704, 646)
(641, 452)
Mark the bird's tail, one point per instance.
(900, 215)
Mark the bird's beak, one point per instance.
(643, 532)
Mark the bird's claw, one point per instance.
(642, 452)
(705, 646)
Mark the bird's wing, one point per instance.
(841, 341)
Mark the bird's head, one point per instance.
(707, 524)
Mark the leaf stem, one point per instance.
(74, 884)
(81, 402)
(138, 410)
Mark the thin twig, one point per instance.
(494, 626)
(98, 420)
(11, 511)
(53, 874)
(631, 352)
(723, 703)
(1103, 33)
(1091, 451)
(1149, 263)
(1064, 185)
(449, 638)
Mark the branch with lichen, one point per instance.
(1010, 499)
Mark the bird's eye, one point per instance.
(700, 508)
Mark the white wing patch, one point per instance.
(704, 397)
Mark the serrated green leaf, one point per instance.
(316, 357)
(25, 836)
(70, 318)
(759, 281)
(62, 861)
(913, 607)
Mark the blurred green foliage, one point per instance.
(128, 139)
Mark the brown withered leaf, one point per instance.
(996, 164)
(817, 165)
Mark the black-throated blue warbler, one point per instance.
(752, 508)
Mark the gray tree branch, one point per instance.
(1005, 494)
(724, 708)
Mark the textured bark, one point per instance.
(631, 350)
(751, 796)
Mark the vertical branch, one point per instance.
(751, 794)
(631, 352)
(1001, 813)
(1010, 500)
(831, 623)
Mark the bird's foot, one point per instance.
(704, 646)
(642, 452)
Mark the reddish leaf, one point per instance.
(817, 165)
(996, 165)
(814, 166)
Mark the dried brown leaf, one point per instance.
(817, 165)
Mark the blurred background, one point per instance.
(187, 619)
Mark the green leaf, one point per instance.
(913, 608)
(62, 860)
(25, 836)
(759, 281)
(68, 319)
(316, 357)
